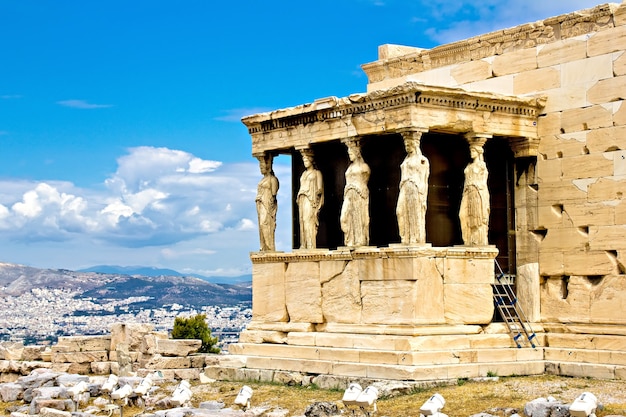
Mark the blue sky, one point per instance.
(120, 133)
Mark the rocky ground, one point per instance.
(50, 394)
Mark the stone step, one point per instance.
(501, 339)
(386, 356)
(586, 341)
(586, 370)
(595, 356)
(424, 372)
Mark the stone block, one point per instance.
(11, 350)
(594, 117)
(444, 357)
(339, 355)
(549, 170)
(159, 362)
(581, 370)
(496, 355)
(436, 76)
(549, 124)
(551, 217)
(354, 370)
(82, 344)
(559, 146)
(565, 98)
(471, 71)
(53, 408)
(131, 334)
(468, 271)
(490, 341)
(560, 52)
(268, 292)
(588, 263)
(149, 342)
(586, 166)
(619, 113)
(560, 192)
(564, 239)
(388, 302)
(514, 62)
(499, 85)
(513, 368)
(468, 304)
(11, 392)
(262, 336)
(177, 347)
(445, 342)
(609, 238)
(303, 292)
(586, 72)
(607, 189)
(537, 80)
(301, 338)
(587, 214)
(607, 306)
(619, 63)
(33, 353)
(227, 361)
(607, 41)
(607, 139)
(379, 357)
(101, 368)
(189, 374)
(341, 292)
(608, 90)
(568, 297)
(429, 306)
(81, 357)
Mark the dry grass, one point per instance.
(462, 400)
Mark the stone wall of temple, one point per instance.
(572, 221)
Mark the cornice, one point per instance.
(495, 43)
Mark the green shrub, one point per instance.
(195, 328)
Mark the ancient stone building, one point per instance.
(540, 107)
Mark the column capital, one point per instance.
(523, 147)
(477, 138)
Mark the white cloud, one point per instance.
(157, 196)
(247, 224)
(82, 104)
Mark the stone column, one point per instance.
(527, 277)
(475, 205)
(266, 202)
(355, 216)
(413, 195)
(310, 199)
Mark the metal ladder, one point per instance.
(511, 312)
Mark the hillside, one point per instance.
(16, 280)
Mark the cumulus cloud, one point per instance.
(156, 196)
(82, 104)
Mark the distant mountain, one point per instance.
(148, 271)
(160, 290)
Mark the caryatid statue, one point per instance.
(355, 217)
(310, 200)
(266, 203)
(411, 207)
(474, 211)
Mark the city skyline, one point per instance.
(120, 134)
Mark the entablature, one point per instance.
(401, 108)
